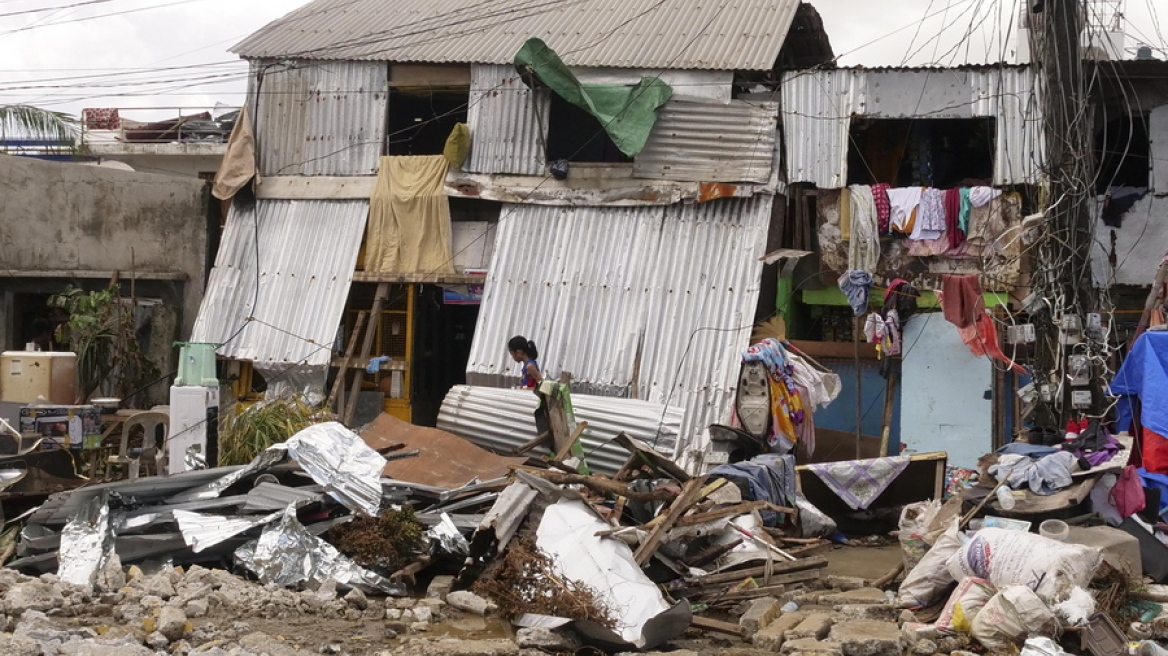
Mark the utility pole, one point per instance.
(1066, 325)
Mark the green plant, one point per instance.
(103, 332)
(37, 123)
(246, 430)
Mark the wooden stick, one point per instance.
(602, 485)
(719, 627)
(366, 346)
(344, 372)
(886, 422)
(799, 565)
(688, 497)
(719, 513)
(713, 553)
(889, 577)
(567, 448)
(980, 505)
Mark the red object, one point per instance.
(953, 218)
(961, 300)
(1154, 451)
(982, 339)
(883, 207)
(1128, 494)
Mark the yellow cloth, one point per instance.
(239, 161)
(409, 218)
(783, 403)
(845, 210)
(457, 147)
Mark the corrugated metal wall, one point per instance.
(818, 107)
(321, 117)
(307, 252)
(651, 303)
(508, 122)
(501, 420)
(711, 142)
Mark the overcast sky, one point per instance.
(173, 53)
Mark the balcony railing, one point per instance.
(188, 125)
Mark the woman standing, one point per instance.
(523, 350)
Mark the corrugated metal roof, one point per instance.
(508, 122)
(327, 118)
(307, 252)
(662, 34)
(818, 106)
(501, 420)
(711, 142)
(651, 303)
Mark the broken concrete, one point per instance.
(816, 625)
(759, 613)
(812, 646)
(857, 596)
(547, 640)
(468, 602)
(867, 638)
(774, 634)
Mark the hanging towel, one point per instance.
(961, 299)
(239, 159)
(979, 196)
(845, 213)
(864, 247)
(982, 339)
(856, 285)
(883, 208)
(902, 203)
(409, 218)
(966, 207)
(859, 482)
(953, 218)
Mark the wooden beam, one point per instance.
(690, 494)
(600, 484)
(717, 626)
(366, 346)
(343, 373)
(800, 565)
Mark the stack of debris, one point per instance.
(625, 560)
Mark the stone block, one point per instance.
(812, 646)
(816, 625)
(547, 640)
(33, 595)
(172, 623)
(759, 613)
(915, 632)
(857, 596)
(772, 635)
(440, 586)
(468, 602)
(867, 638)
(875, 612)
(837, 582)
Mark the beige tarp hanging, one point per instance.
(239, 162)
(409, 218)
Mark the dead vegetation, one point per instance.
(527, 581)
(386, 543)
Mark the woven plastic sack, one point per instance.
(1051, 568)
(926, 583)
(916, 532)
(1012, 616)
(971, 595)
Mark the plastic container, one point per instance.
(1054, 529)
(790, 607)
(1149, 648)
(196, 365)
(1005, 498)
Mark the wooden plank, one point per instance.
(652, 458)
(717, 626)
(810, 550)
(563, 452)
(886, 421)
(690, 494)
(720, 513)
(800, 565)
(366, 346)
(344, 367)
(724, 591)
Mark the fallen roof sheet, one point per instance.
(662, 34)
(446, 460)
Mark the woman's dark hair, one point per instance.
(521, 343)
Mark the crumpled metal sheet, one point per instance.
(194, 458)
(340, 462)
(448, 539)
(287, 554)
(201, 531)
(266, 459)
(86, 543)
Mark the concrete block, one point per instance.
(816, 625)
(811, 646)
(858, 596)
(915, 632)
(867, 638)
(772, 635)
(759, 613)
(837, 582)
(875, 612)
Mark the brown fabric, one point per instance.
(239, 162)
(961, 300)
(446, 460)
(845, 214)
(409, 218)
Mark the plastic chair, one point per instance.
(152, 449)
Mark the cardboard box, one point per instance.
(63, 426)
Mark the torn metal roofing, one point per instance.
(661, 34)
(307, 252)
(651, 303)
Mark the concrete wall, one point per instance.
(71, 222)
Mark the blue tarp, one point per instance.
(1145, 374)
(767, 477)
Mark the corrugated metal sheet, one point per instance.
(508, 122)
(661, 34)
(711, 142)
(501, 420)
(652, 303)
(818, 107)
(307, 252)
(324, 118)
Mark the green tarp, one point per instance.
(626, 112)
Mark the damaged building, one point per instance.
(636, 270)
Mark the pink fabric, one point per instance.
(1128, 493)
(883, 206)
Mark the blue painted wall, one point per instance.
(841, 414)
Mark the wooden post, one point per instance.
(344, 372)
(889, 397)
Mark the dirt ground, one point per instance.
(864, 562)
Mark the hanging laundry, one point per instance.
(845, 214)
(961, 299)
(822, 387)
(966, 208)
(856, 285)
(883, 208)
(930, 221)
(982, 339)
(786, 405)
(929, 247)
(980, 196)
(902, 297)
(953, 232)
(903, 203)
(864, 247)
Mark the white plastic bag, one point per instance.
(1077, 607)
(1012, 616)
(971, 595)
(917, 532)
(1042, 647)
(1050, 568)
(929, 580)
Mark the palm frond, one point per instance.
(26, 121)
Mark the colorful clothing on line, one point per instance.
(883, 207)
